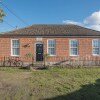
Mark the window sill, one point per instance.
(95, 55)
(15, 55)
(52, 55)
(74, 55)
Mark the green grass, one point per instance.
(51, 84)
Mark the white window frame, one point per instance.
(12, 48)
(48, 47)
(73, 47)
(95, 47)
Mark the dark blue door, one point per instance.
(39, 52)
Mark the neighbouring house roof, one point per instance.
(53, 30)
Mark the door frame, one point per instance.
(35, 50)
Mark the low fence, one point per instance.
(74, 61)
(16, 61)
(52, 61)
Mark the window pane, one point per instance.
(15, 51)
(15, 47)
(74, 43)
(96, 47)
(51, 43)
(15, 43)
(51, 51)
(74, 51)
(51, 47)
(96, 51)
(95, 43)
(74, 47)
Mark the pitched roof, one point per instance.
(53, 30)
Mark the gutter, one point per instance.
(32, 36)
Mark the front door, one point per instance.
(39, 52)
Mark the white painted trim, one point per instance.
(70, 47)
(95, 55)
(52, 55)
(55, 46)
(11, 48)
(74, 55)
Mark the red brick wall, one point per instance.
(62, 46)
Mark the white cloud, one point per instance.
(92, 22)
(71, 22)
(94, 27)
(93, 19)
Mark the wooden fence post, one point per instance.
(4, 62)
(44, 61)
(32, 60)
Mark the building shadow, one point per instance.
(87, 92)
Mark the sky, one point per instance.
(84, 13)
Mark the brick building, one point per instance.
(55, 40)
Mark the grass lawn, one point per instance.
(51, 84)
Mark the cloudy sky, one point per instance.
(92, 21)
(23, 13)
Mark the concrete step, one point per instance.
(38, 64)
